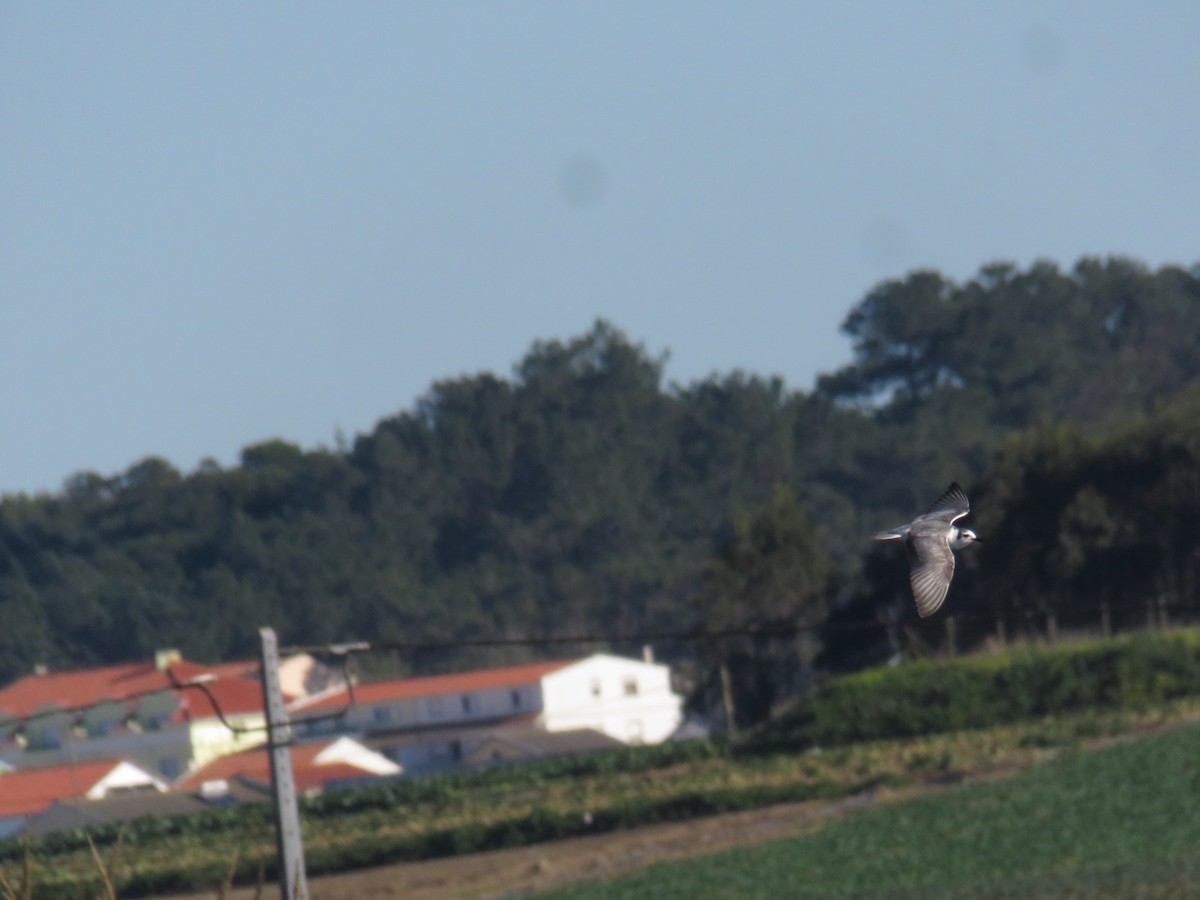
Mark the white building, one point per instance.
(438, 722)
(627, 699)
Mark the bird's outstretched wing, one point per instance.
(951, 506)
(932, 567)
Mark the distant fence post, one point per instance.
(1052, 627)
(293, 880)
(951, 637)
(1105, 620)
(1001, 631)
(727, 700)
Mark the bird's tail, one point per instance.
(894, 535)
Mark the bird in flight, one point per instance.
(931, 540)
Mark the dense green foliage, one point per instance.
(767, 575)
(1080, 531)
(1113, 823)
(927, 697)
(583, 495)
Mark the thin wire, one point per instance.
(76, 711)
(346, 651)
(201, 683)
(696, 634)
(197, 682)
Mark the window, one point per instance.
(382, 715)
(516, 699)
(631, 686)
(596, 687)
(466, 703)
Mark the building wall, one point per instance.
(434, 711)
(166, 752)
(626, 699)
(209, 738)
(11, 825)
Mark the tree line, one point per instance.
(584, 494)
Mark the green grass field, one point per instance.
(1119, 822)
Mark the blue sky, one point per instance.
(222, 223)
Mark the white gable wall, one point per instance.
(123, 776)
(627, 699)
(347, 750)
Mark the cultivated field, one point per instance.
(1118, 822)
(1114, 818)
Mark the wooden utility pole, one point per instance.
(293, 880)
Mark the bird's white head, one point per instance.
(962, 537)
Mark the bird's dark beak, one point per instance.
(978, 539)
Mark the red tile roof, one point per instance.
(85, 687)
(235, 697)
(434, 685)
(256, 765)
(27, 791)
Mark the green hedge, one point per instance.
(541, 825)
(395, 794)
(513, 777)
(927, 697)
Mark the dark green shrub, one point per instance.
(927, 697)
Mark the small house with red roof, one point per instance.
(314, 766)
(26, 792)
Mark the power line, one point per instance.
(77, 711)
(344, 652)
(696, 634)
(201, 683)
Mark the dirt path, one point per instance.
(515, 873)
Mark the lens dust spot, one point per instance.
(582, 181)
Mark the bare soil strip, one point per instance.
(518, 872)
